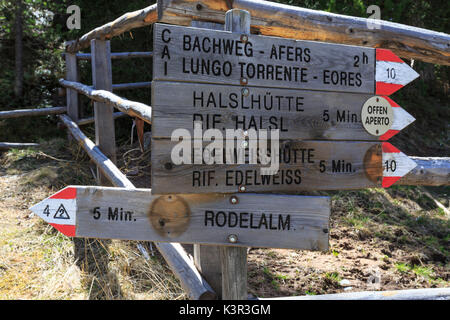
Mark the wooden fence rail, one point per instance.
(90, 120)
(429, 172)
(132, 108)
(412, 294)
(12, 145)
(116, 55)
(274, 19)
(174, 254)
(31, 112)
(133, 85)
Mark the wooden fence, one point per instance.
(268, 19)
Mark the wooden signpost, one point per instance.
(211, 56)
(304, 165)
(311, 92)
(329, 104)
(297, 114)
(256, 220)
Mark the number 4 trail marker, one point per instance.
(255, 220)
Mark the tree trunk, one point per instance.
(18, 84)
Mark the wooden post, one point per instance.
(207, 258)
(104, 121)
(72, 95)
(234, 259)
(225, 268)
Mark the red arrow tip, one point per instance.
(389, 148)
(66, 193)
(387, 55)
(389, 181)
(65, 229)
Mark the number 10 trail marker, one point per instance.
(211, 56)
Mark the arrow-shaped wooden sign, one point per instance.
(297, 114)
(250, 220)
(211, 56)
(303, 165)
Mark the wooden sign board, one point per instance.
(297, 114)
(304, 165)
(249, 220)
(211, 56)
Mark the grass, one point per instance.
(37, 262)
(425, 272)
(333, 277)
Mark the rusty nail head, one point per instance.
(232, 238)
(234, 200)
(244, 81)
(242, 189)
(245, 92)
(244, 38)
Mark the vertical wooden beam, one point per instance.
(207, 261)
(72, 95)
(234, 259)
(207, 258)
(234, 273)
(103, 113)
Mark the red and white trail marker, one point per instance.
(396, 164)
(384, 118)
(189, 55)
(256, 220)
(392, 73)
(59, 210)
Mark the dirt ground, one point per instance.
(379, 240)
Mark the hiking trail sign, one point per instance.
(303, 166)
(297, 114)
(211, 56)
(311, 92)
(252, 220)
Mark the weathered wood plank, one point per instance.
(234, 273)
(71, 95)
(184, 269)
(412, 294)
(132, 108)
(303, 165)
(117, 55)
(133, 85)
(274, 19)
(429, 172)
(234, 259)
(274, 221)
(297, 114)
(31, 112)
(212, 56)
(206, 257)
(105, 135)
(207, 261)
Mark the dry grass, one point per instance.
(398, 232)
(37, 262)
